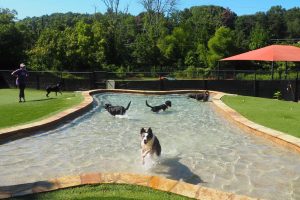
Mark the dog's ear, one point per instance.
(149, 130)
(143, 131)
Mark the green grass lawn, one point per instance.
(36, 107)
(105, 191)
(276, 114)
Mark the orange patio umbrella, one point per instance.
(270, 53)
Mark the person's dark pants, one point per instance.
(22, 94)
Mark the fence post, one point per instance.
(296, 88)
(37, 81)
(255, 85)
(205, 84)
(93, 80)
(218, 70)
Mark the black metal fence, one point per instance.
(245, 82)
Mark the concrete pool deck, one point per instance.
(155, 182)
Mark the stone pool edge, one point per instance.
(154, 182)
(275, 136)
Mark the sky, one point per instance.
(31, 8)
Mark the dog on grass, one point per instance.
(116, 110)
(160, 107)
(53, 88)
(149, 144)
(202, 96)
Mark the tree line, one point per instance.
(158, 39)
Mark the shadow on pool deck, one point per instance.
(177, 171)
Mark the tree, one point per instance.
(46, 53)
(258, 38)
(292, 19)
(11, 40)
(221, 45)
(175, 46)
(276, 23)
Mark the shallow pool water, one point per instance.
(198, 146)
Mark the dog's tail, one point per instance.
(128, 105)
(148, 104)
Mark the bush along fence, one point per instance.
(244, 82)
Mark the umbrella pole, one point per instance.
(272, 70)
(285, 70)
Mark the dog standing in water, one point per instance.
(116, 110)
(160, 107)
(149, 144)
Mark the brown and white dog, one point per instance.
(149, 143)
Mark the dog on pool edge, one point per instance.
(116, 110)
(149, 144)
(53, 88)
(160, 107)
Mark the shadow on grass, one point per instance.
(41, 99)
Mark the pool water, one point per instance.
(198, 146)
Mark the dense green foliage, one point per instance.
(36, 107)
(155, 40)
(105, 191)
(276, 114)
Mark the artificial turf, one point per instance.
(276, 114)
(36, 107)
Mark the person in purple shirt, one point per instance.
(21, 75)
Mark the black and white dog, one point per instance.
(160, 107)
(202, 96)
(116, 110)
(149, 143)
(53, 88)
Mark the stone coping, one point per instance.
(154, 182)
(278, 137)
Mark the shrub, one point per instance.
(277, 95)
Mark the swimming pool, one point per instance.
(198, 146)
